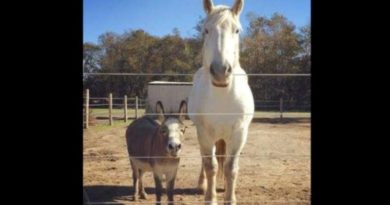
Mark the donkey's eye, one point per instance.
(206, 31)
(164, 131)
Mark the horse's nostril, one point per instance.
(229, 70)
(179, 146)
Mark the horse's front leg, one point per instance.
(210, 166)
(233, 149)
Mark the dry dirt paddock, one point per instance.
(274, 167)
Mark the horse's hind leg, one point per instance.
(135, 180)
(141, 187)
(202, 185)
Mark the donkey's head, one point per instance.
(221, 41)
(172, 127)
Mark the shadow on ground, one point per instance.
(112, 193)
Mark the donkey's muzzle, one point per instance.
(174, 148)
(220, 73)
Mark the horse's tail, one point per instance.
(220, 151)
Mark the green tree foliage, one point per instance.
(269, 45)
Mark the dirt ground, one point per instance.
(274, 167)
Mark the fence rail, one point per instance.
(280, 104)
(203, 202)
(203, 156)
(189, 74)
(137, 103)
(110, 105)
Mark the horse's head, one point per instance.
(221, 41)
(172, 128)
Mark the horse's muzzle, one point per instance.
(220, 85)
(220, 74)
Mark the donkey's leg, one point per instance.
(141, 189)
(171, 177)
(202, 185)
(157, 181)
(233, 149)
(135, 180)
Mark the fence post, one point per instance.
(86, 108)
(125, 106)
(281, 108)
(136, 107)
(110, 109)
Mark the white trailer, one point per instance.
(169, 93)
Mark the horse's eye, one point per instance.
(206, 31)
(237, 31)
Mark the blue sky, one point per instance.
(159, 17)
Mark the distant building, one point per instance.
(169, 93)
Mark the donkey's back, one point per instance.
(139, 137)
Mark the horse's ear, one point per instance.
(208, 6)
(160, 112)
(237, 7)
(182, 110)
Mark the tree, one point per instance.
(270, 46)
(91, 58)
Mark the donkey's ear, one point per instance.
(208, 6)
(182, 110)
(160, 112)
(237, 7)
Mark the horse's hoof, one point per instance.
(135, 197)
(143, 195)
(211, 203)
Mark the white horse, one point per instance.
(221, 102)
